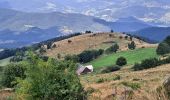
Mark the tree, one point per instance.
(147, 63)
(163, 48)
(132, 45)
(121, 61)
(10, 73)
(111, 31)
(73, 58)
(113, 48)
(51, 80)
(49, 45)
(88, 55)
(167, 40)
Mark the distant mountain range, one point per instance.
(152, 11)
(156, 34)
(20, 28)
(13, 39)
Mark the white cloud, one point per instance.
(49, 7)
(66, 30)
(165, 18)
(7, 42)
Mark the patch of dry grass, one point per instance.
(77, 44)
(149, 81)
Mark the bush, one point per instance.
(117, 77)
(134, 86)
(90, 90)
(100, 80)
(73, 58)
(51, 80)
(121, 61)
(11, 72)
(163, 48)
(167, 40)
(132, 45)
(148, 63)
(110, 69)
(113, 48)
(112, 31)
(89, 55)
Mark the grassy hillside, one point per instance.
(136, 84)
(131, 56)
(91, 41)
(4, 62)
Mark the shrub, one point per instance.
(121, 61)
(100, 80)
(116, 77)
(69, 41)
(111, 31)
(167, 40)
(163, 48)
(126, 37)
(101, 51)
(90, 90)
(132, 45)
(134, 86)
(51, 80)
(89, 55)
(73, 58)
(147, 63)
(113, 48)
(11, 72)
(110, 69)
(54, 46)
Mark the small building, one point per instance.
(84, 69)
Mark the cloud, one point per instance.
(7, 42)
(165, 18)
(49, 7)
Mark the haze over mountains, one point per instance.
(16, 26)
(44, 19)
(152, 11)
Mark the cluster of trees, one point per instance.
(132, 45)
(87, 56)
(109, 69)
(35, 78)
(164, 47)
(150, 63)
(114, 48)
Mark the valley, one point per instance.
(84, 50)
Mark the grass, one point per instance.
(5, 62)
(132, 57)
(134, 86)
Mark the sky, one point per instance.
(153, 11)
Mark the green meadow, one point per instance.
(132, 56)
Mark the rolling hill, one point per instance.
(91, 41)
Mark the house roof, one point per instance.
(81, 68)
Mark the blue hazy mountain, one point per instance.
(151, 11)
(154, 33)
(13, 39)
